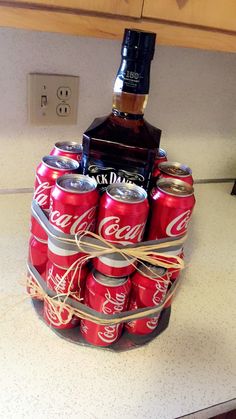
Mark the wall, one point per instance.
(192, 99)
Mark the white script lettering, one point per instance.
(109, 228)
(179, 224)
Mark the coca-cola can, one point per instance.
(73, 209)
(161, 156)
(37, 256)
(73, 204)
(172, 202)
(58, 317)
(173, 273)
(62, 282)
(70, 149)
(32, 289)
(122, 217)
(175, 170)
(50, 168)
(149, 288)
(62, 254)
(105, 295)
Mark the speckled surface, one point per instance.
(190, 367)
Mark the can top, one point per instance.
(69, 146)
(152, 270)
(109, 281)
(126, 192)
(76, 183)
(161, 153)
(175, 187)
(60, 163)
(175, 169)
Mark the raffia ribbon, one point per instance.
(143, 254)
(58, 304)
(97, 247)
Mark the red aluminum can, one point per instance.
(47, 172)
(69, 149)
(147, 292)
(31, 290)
(105, 295)
(172, 203)
(122, 217)
(60, 319)
(74, 201)
(173, 273)
(74, 281)
(62, 256)
(38, 254)
(161, 156)
(73, 209)
(175, 170)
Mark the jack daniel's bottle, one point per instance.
(122, 147)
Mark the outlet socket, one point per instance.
(63, 109)
(52, 99)
(64, 93)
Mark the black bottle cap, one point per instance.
(138, 44)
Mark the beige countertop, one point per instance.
(189, 368)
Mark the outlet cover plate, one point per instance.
(52, 99)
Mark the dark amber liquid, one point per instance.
(121, 147)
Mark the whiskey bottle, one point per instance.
(122, 146)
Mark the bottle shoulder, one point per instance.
(97, 122)
(138, 133)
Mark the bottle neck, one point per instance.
(131, 88)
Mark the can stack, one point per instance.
(124, 215)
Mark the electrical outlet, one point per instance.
(64, 93)
(63, 109)
(52, 99)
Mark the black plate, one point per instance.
(125, 343)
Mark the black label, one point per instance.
(105, 174)
(133, 77)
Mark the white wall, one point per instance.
(192, 98)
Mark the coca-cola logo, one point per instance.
(132, 324)
(74, 223)
(110, 229)
(52, 316)
(179, 224)
(109, 333)
(56, 280)
(152, 323)
(159, 294)
(83, 327)
(41, 193)
(112, 305)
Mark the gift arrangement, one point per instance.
(104, 266)
(109, 220)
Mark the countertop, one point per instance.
(190, 367)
